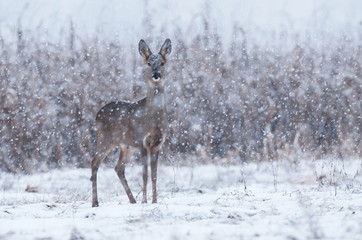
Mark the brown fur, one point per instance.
(140, 124)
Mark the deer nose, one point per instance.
(156, 75)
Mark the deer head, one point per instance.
(154, 73)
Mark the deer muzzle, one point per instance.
(156, 76)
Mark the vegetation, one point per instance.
(243, 101)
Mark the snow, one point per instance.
(300, 199)
(279, 200)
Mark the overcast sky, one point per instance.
(115, 17)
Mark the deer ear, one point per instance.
(166, 48)
(144, 50)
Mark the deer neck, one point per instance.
(156, 115)
(156, 97)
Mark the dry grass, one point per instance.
(245, 100)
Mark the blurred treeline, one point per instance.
(241, 101)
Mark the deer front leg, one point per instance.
(154, 158)
(144, 156)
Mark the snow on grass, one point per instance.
(308, 200)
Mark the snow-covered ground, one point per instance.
(308, 200)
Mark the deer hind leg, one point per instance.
(154, 158)
(120, 169)
(102, 152)
(95, 165)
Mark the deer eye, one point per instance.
(149, 64)
(162, 63)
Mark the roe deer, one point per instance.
(140, 124)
